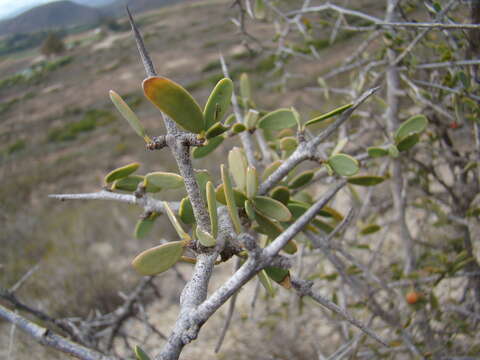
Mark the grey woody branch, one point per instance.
(49, 338)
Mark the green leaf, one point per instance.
(164, 180)
(140, 354)
(129, 115)
(270, 169)
(301, 179)
(238, 128)
(245, 91)
(393, 151)
(298, 119)
(144, 226)
(322, 225)
(297, 209)
(266, 282)
(185, 211)
(281, 193)
(408, 142)
(239, 196)
(291, 247)
(376, 152)
(159, 258)
(230, 120)
(129, 183)
(289, 143)
(414, 125)
(212, 208)
(252, 182)
(175, 101)
(266, 226)
(272, 208)
(237, 163)
(343, 164)
(173, 219)
(202, 177)
(211, 145)
(218, 102)
(230, 200)
(205, 238)
(366, 180)
(369, 229)
(121, 172)
(328, 115)
(279, 275)
(249, 209)
(215, 130)
(277, 120)
(259, 10)
(251, 119)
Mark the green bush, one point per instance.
(89, 122)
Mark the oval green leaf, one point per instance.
(140, 354)
(301, 179)
(266, 282)
(343, 164)
(272, 208)
(121, 172)
(291, 247)
(185, 211)
(215, 130)
(212, 208)
(176, 225)
(129, 183)
(366, 180)
(238, 128)
(205, 238)
(328, 115)
(164, 180)
(202, 177)
(266, 226)
(230, 199)
(251, 119)
(393, 151)
(408, 142)
(414, 125)
(376, 152)
(245, 91)
(289, 143)
(239, 196)
(159, 258)
(279, 275)
(175, 101)
(250, 210)
(237, 163)
(218, 102)
(129, 115)
(270, 169)
(369, 229)
(281, 193)
(277, 120)
(211, 145)
(144, 226)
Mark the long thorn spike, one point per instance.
(147, 62)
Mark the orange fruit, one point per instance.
(412, 297)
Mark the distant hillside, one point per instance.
(117, 9)
(65, 13)
(57, 14)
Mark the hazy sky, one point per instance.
(12, 7)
